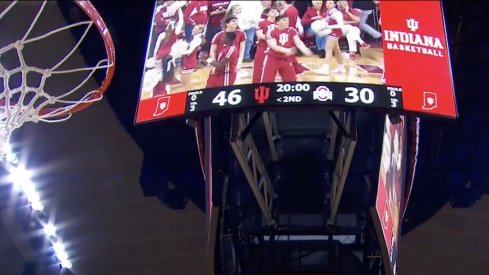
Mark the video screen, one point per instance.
(412, 150)
(205, 56)
(390, 190)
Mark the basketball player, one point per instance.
(351, 30)
(223, 71)
(230, 25)
(217, 10)
(189, 56)
(282, 42)
(291, 12)
(334, 19)
(262, 45)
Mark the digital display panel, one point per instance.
(205, 56)
(390, 192)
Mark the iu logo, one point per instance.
(162, 105)
(261, 94)
(412, 24)
(283, 38)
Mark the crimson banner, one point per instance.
(390, 190)
(416, 55)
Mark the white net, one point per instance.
(26, 94)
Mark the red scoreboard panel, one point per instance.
(416, 55)
(408, 72)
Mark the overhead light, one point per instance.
(60, 252)
(49, 229)
(62, 256)
(58, 247)
(10, 156)
(21, 179)
(19, 175)
(66, 264)
(37, 206)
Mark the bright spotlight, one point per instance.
(66, 264)
(6, 148)
(62, 256)
(29, 190)
(12, 158)
(49, 229)
(37, 206)
(58, 247)
(9, 155)
(19, 176)
(60, 252)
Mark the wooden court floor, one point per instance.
(366, 68)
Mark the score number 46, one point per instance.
(231, 98)
(364, 95)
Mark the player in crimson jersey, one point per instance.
(351, 18)
(262, 45)
(230, 24)
(195, 14)
(190, 58)
(223, 70)
(282, 42)
(290, 11)
(334, 19)
(217, 10)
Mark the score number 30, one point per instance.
(231, 98)
(364, 95)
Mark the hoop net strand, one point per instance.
(16, 107)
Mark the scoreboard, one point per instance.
(411, 69)
(261, 96)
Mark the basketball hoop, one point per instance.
(36, 63)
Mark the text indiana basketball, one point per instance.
(194, 45)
